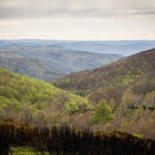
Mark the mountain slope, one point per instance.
(30, 67)
(121, 73)
(65, 61)
(127, 86)
(36, 102)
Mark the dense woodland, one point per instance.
(37, 102)
(127, 86)
(117, 97)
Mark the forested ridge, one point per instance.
(127, 86)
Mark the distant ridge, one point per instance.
(28, 66)
(122, 47)
(51, 63)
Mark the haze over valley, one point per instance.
(122, 47)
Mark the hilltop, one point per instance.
(127, 85)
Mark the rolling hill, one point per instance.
(120, 73)
(28, 66)
(37, 102)
(127, 85)
(64, 61)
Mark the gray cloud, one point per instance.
(75, 8)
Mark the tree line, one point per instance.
(66, 140)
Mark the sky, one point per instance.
(77, 19)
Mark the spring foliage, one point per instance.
(27, 99)
(103, 112)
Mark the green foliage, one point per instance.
(138, 135)
(71, 106)
(83, 93)
(103, 112)
(65, 83)
(35, 101)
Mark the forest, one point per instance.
(85, 112)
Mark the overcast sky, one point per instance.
(77, 19)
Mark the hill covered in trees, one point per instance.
(28, 66)
(120, 73)
(36, 102)
(127, 86)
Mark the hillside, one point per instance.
(29, 66)
(65, 61)
(120, 73)
(127, 85)
(36, 102)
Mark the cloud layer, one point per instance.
(14, 9)
(77, 19)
